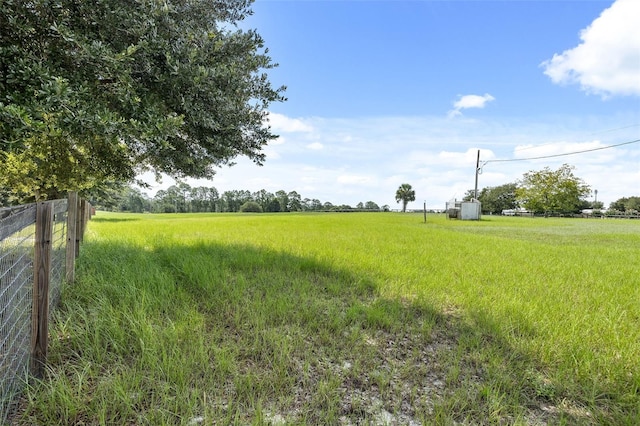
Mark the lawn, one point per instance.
(351, 318)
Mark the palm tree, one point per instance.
(405, 194)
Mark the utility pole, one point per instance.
(477, 172)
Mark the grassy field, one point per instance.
(356, 318)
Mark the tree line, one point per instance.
(183, 198)
(548, 192)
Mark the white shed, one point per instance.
(464, 210)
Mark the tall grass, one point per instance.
(346, 319)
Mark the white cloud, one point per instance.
(316, 146)
(607, 62)
(282, 123)
(271, 153)
(595, 151)
(356, 180)
(470, 101)
(450, 159)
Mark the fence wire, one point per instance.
(16, 291)
(17, 250)
(58, 253)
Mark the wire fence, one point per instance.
(16, 301)
(38, 246)
(58, 253)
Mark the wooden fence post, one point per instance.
(41, 277)
(72, 217)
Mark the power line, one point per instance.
(615, 129)
(564, 154)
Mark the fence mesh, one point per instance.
(17, 249)
(16, 290)
(58, 253)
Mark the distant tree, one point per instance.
(234, 199)
(386, 208)
(283, 199)
(199, 199)
(632, 204)
(251, 207)
(185, 197)
(469, 195)
(549, 190)
(134, 200)
(274, 205)
(213, 197)
(370, 205)
(498, 198)
(230, 202)
(316, 204)
(169, 200)
(405, 194)
(263, 197)
(618, 205)
(202, 199)
(360, 205)
(244, 196)
(295, 202)
(625, 204)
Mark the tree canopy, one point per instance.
(495, 199)
(405, 193)
(549, 190)
(99, 91)
(626, 204)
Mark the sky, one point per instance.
(386, 92)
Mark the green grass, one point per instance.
(346, 319)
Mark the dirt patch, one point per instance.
(391, 379)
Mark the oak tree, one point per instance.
(98, 91)
(546, 191)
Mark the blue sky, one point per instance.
(386, 92)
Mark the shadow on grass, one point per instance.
(237, 334)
